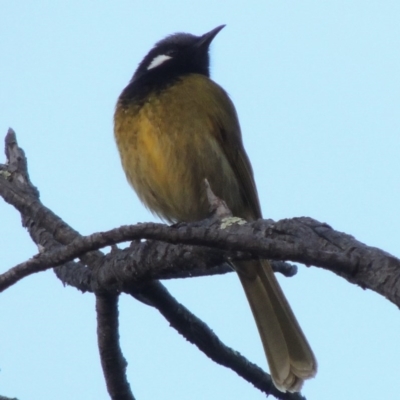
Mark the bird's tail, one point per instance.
(289, 355)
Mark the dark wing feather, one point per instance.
(228, 135)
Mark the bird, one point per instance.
(175, 128)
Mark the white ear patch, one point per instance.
(158, 60)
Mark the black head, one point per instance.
(176, 55)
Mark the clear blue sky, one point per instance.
(316, 86)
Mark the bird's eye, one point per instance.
(171, 52)
(158, 60)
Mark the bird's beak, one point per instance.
(207, 38)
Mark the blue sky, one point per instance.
(316, 88)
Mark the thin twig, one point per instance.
(209, 343)
(112, 361)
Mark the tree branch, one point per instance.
(209, 343)
(300, 239)
(112, 361)
(48, 231)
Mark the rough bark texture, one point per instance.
(166, 254)
(183, 251)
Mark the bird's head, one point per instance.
(176, 55)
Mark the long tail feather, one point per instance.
(289, 355)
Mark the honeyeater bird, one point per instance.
(174, 128)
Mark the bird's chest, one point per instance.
(166, 158)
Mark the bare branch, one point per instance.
(208, 342)
(49, 231)
(299, 239)
(112, 361)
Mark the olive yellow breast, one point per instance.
(171, 142)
